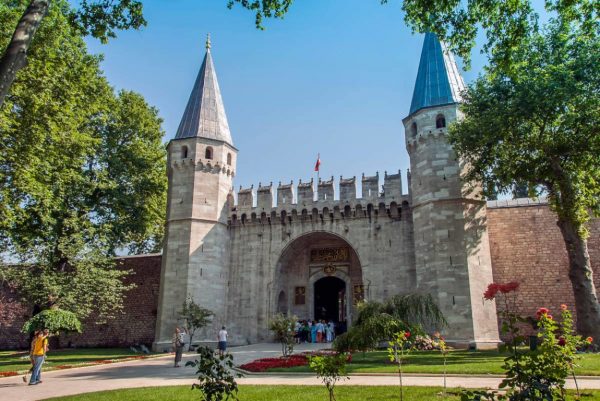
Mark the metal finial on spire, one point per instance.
(208, 41)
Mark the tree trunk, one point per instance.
(582, 279)
(14, 57)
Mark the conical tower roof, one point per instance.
(204, 115)
(438, 80)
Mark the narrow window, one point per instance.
(209, 153)
(229, 159)
(413, 130)
(184, 152)
(440, 121)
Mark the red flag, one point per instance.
(318, 162)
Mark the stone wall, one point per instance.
(527, 247)
(135, 326)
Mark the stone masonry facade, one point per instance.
(525, 243)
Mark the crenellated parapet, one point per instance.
(310, 201)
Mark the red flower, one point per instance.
(589, 340)
(491, 291)
(407, 334)
(562, 342)
(508, 287)
(261, 365)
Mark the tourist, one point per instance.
(297, 331)
(320, 331)
(328, 331)
(178, 344)
(306, 332)
(313, 332)
(222, 341)
(331, 326)
(38, 354)
(25, 378)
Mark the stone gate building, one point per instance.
(319, 249)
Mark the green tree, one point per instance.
(87, 180)
(196, 317)
(330, 369)
(538, 125)
(505, 23)
(99, 18)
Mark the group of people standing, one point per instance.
(314, 331)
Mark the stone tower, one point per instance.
(451, 243)
(201, 166)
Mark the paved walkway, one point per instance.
(160, 372)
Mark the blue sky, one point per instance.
(334, 77)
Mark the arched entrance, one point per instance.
(330, 299)
(322, 274)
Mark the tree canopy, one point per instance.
(82, 173)
(537, 124)
(505, 23)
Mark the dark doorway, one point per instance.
(330, 299)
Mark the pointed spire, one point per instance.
(438, 79)
(204, 115)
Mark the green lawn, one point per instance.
(11, 361)
(460, 362)
(284, 393)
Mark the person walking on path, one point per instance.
(178, 344)
(222, 341)
(39, 348)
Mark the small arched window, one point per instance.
(413, 130)
(209, 153)
(184, 152)
(440, 121)
(229, 159)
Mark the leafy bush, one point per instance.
(196, 317)
(216, 382)
(55, 320)
(378, 321)
(283, 328)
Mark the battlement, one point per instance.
(302, 202)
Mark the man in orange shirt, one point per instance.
(39, 348)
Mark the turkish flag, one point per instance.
(318, 164)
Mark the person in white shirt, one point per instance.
(222, 341)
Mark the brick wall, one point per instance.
(527, 246)
(135, 326)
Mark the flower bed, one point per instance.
(264, 364)
(8, 374)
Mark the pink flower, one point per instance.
(563, 307)
(542, 312)
(589, 340)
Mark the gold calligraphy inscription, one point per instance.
(329, 255)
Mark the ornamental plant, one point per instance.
(399, 348)
(533, 375)
(215, 378)
(330, 369)
(443, 347)
(283, 329)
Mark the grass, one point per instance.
(285, 393)
(13, 361)
(458, 362)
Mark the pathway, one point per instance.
(160, 372)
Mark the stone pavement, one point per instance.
(160, 372)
